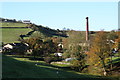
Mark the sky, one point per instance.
(57, 15)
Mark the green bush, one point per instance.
(48, 59)
(78, 65)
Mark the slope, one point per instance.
(10, 35)
(23, 69)
(12, 24)
(12, 31)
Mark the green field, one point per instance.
(10, 24)
(23, 68)
(10, 35)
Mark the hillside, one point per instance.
(13, 68)
(48, 32)
(12, 24)
(10, 35)
(13, 31)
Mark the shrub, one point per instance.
(57, 58)
(48, 59)
(78, 65)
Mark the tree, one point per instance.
(79, 63)
(64, 29)
(111, 38)
(93, 61)
(20, 49)
(101, 48)
(118, 40)
(73, 49)
(14, 20)
(75, 38)
(36, 44)
(49, 46)
(41, 47)
(19, 21)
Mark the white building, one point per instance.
(26, 21)
(58, 54)
(8, 46)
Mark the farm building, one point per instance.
(58, 54)
(26, 21)
(15, 48)
(8, 46)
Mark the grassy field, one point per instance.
(12, 34)
(37, 33)
(24, 68)
(10, 24)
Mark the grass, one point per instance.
(61, 65)
(10, 24)
(24, 68)
(37, 33)
(10, 35)
(116, 59)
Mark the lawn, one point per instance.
(10, 35)
(24, 68)
(10, 24)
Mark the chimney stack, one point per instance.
(87, 29)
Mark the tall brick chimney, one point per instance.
(87, 29)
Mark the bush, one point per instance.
(78, 65)
(48, 59)
(57, 58)
(66, 55)
(40, 59)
